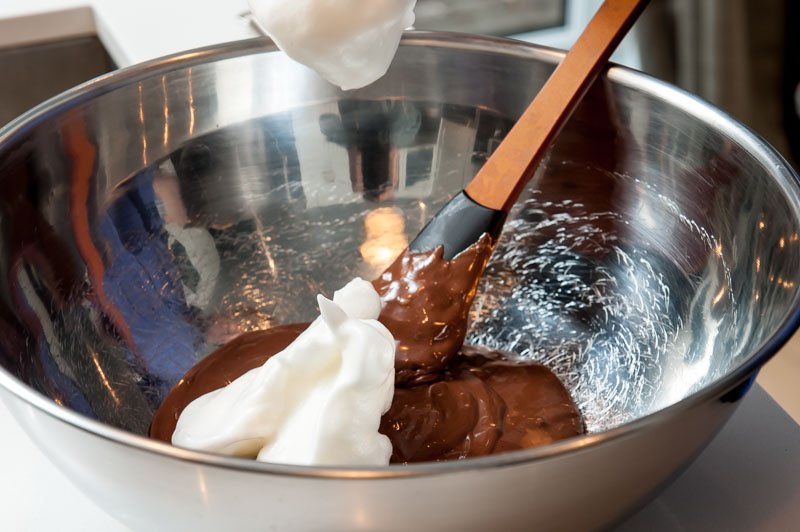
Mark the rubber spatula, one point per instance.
(483, 205)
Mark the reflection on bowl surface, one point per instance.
(207, 246)
(173, 208)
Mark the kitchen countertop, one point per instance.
(132, 31)
(748, 479)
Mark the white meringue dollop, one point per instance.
(351, 43)
(317, 402)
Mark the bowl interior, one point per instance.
(150, 218)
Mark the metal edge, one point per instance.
(694, 106)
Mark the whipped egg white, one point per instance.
(317, 402)
(351, 43)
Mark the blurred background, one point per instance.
(739, 54)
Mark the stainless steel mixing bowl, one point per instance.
(151, 214)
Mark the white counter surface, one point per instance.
(748, 479)
(132, 31)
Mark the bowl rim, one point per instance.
(691, 104)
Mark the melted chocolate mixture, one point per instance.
(482, 404)
(451, 401)
(426, 300)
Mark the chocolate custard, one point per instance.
(426, 300)
(451, 401)
(483, 403)
(480, 404)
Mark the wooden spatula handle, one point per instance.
(501, 179)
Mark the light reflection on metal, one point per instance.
(360, 517)
(386, 237)
(718, 297)
(201, 486)
(165, 96)
(104, 378)
(140, 103)
(264, 243)
(191, 101)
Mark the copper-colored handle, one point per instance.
(501, 179)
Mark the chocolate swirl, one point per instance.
(482, 403)
(426, 301)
